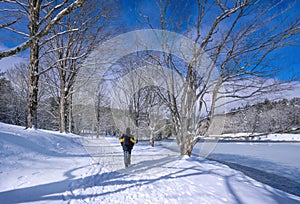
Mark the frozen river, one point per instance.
(274, 163)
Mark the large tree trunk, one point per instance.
(70, 117)
(152, 138)
(185, 144)
(188, 147)
(63, 102)
(62, 112)
(34, 12)
(98, 109)
(33, 95)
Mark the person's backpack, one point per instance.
(126, 140)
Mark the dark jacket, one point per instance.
(127, 142)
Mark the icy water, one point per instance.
(278, 158)
(274, 163)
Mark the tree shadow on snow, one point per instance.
(118, 181)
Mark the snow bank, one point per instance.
(281, 137)
(259, 136)
(37, 165)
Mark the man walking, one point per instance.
(127, 142)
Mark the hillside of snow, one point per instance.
(47, 167)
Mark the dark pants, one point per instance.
(127, 158)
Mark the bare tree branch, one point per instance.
(42, 32)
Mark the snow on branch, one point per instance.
(44, 31)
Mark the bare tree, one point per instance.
(16, 11)
(19, 78)
(155, 113)
(71, 42)
(101, 107)
(233, 43)
(39, 16)
(6, 99)
(127, 100)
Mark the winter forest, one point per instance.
(185, 71)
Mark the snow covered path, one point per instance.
(107, 151)
(44, 167)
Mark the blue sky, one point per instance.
(131, 19)
(132, 12)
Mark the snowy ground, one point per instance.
(44, 167)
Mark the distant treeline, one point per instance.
(276, 116)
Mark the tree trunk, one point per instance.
(70, 117)
(98, 110)
(151, 138)
(98, 122)
(33, 95)
(181, 148)
(188, 145)
(34, 12)
(185, 144)
(62, 112)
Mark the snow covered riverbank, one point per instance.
(275, 137)
(43, 167)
